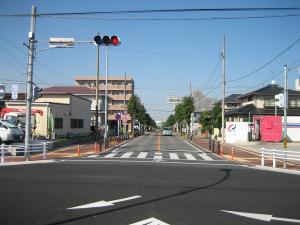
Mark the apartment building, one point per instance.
(119, 90)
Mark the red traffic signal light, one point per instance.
(115, 40)
(106, 40)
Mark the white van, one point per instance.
(9, 132)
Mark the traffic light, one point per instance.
(107, 40)
(36, 92)
(279, 100)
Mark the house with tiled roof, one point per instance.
(262, 102)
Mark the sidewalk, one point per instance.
(248, 153)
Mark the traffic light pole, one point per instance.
(97, 98)
(29, 82)
(106, 87)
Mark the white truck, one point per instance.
(9, 132)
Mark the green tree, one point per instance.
(212, 118)
(183, 111)
(170, 121)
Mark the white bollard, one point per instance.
(2, 153)
(44, 150)
(274, 159)
(262, 157)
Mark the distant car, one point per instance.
(167, 131)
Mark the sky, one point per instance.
(163, 52)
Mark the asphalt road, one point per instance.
(127, 190)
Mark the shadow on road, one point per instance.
(225, 177)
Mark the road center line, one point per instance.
(158, 144)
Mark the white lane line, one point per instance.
(193, 146)
(189, 156)
(142, 155)
(104, 203)
(205, 157)
(127, 155)
(173, 156)
(110, 155)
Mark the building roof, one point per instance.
(75, 90)
(232, 98)
(252, 110)
(103, 78)
(271, 89)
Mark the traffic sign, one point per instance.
(118, 116)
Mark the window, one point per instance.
(58, 123)
(294, 103)
(73, 123)
(269, 102)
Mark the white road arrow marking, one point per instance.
(263, 217)
(104, 203)
(150, 221)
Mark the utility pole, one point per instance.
(190, 88)
(223, 91)
(31, 50)
(106, 87)
(285, 106)
(125, 83)
(97, 97)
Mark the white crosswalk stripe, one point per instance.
(127, 155)
(205, 157)
(158, 155)
(111, 155)
(142, 155)
(189, 156)
(173, 156)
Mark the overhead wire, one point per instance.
(151, 11)
(266, 64)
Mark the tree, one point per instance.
(183, 111)
(137, 111)
(212, 118)
(170, 121)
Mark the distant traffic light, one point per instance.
(36, 92)
(106, 40)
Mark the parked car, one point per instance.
(10, 133)
(167, 131)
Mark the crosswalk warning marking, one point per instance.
(127, 155)
(205, 157)
(142, 155)
(110, 155)
(189, 156)
(173, 156)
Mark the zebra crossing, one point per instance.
(155, 155)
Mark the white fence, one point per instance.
(280, 155)
(23, 150)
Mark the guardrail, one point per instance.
(275, 154)
(15, 150)
(39, 151)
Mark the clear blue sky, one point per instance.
(162, 56)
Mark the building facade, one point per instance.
(120, 90)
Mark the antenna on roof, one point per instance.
(273, 80)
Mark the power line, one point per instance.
(266, 64)
(179, 19)
(151, 11)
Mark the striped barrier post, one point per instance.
(78, 150)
